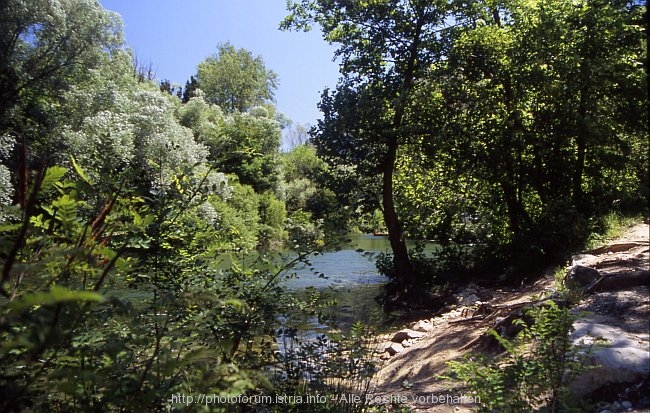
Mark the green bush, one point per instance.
(535, 370)
(273, 214)
(116, 305)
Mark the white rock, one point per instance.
(468, 300)
(437, 321)
(623, 358)
(423, 326)
(394, 348)
(587, 260)
(406, 334)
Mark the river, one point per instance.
(350, 277)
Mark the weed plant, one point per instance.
(534, 372)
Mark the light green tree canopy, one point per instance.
(47, 44)
(236, 80)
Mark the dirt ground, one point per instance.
(413, 375)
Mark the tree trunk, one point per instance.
(512, 206)
(517, 215)
(582, 126)
(401, 259)
(581, 151)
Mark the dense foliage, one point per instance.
(502, 130)
(118, 199)
(512, 126)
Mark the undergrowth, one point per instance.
(536, 369)
(610, 227)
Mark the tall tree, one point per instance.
(244, 144)
(44, 45)
(45, 48)
(189, 91)
(540, 103)
(385, 47)
(236, 80)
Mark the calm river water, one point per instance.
(350, 277)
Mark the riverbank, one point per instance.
(418, 359)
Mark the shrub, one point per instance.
(331, 369)
(535, 370)
(110, 306)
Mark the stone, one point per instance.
(622, 358)
(468, 295)
(394, 348)
(586, 260)
(423, 326)
(626, 404)
(468, 300)
(582, 276)
(405, 335)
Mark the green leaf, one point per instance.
(80, 171)
(238, 305)
(52, 176)
(57, 294)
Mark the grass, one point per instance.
(610, 227)
(607, 228)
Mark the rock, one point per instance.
(394, 348)
(623, 281)
(624, 358)
(626, 404)
(586, 260)
(468, 300)
(423, 326)
(405, 335)
(582, 276)
(615, 247)
(455, 313)
(468, 295)
(437, 320)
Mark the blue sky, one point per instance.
(174, 36)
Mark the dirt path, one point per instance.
(413, 375)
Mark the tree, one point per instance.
(189, 91)
(531, 116)
(173, 89)
(295, 135)
(386, 47)
(236, 80)
(537, 126)
(593, 122)
(45, 47)
(306, 190)
(243, 144)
